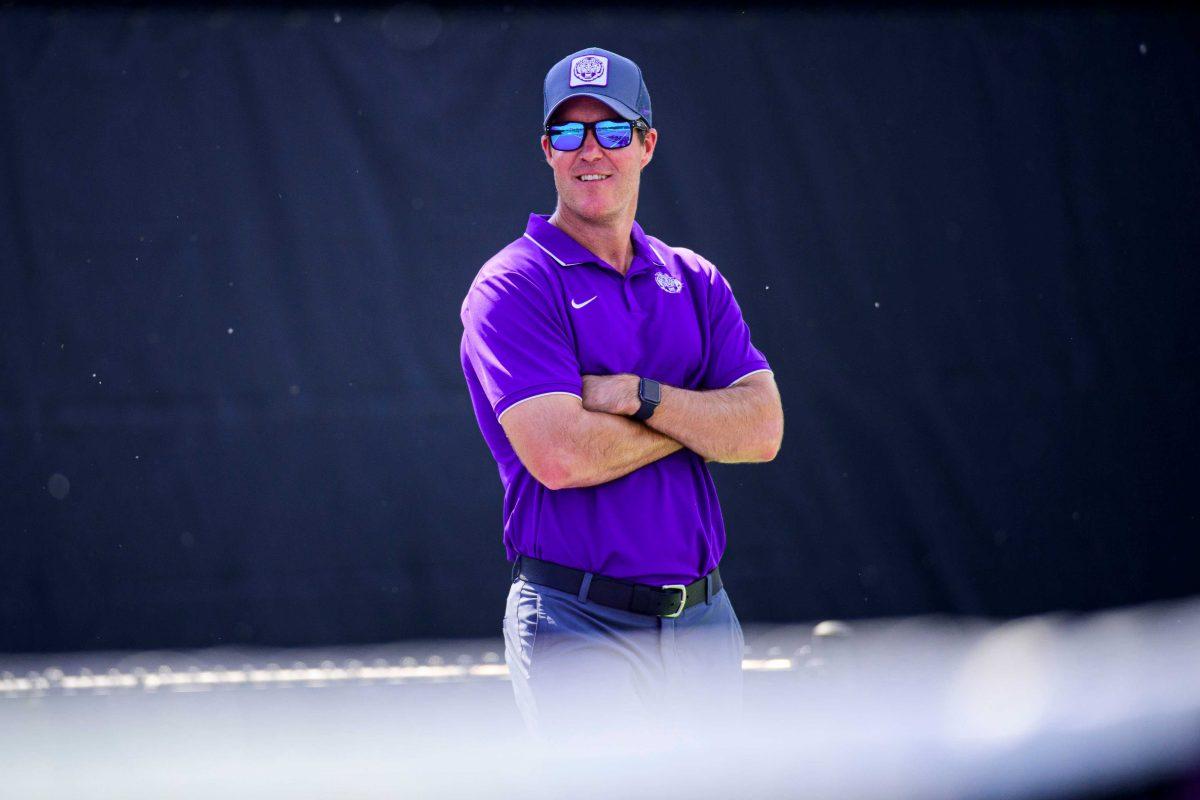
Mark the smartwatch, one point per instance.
(650, 393)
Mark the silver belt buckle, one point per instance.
(682, 598)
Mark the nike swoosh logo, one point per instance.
(584, 303)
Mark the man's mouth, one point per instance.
(591, 176)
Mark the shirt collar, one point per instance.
(557, 244)
(643, 248)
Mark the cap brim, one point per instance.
(616, 105)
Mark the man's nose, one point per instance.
(590, 149)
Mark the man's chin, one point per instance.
(595, 213)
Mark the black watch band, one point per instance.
(650, 393)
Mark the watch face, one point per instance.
(651, 391)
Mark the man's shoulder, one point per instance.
(518, 266)
(520, 256)
(686, 259)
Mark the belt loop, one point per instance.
(516, 568)
(583, 589)
(708, 589)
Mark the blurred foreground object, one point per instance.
(1051, 706)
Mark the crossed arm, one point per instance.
(565, 443)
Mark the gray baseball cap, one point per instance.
(594, 72)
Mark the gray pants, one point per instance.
(579, 668)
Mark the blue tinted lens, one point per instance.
(567, 136)
(612, 135)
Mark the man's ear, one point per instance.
(650, 143)
(546, 147)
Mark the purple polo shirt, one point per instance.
(544, 311)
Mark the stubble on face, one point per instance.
(595, 202)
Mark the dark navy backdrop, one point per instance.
(233, 246)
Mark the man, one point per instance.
(605, 368)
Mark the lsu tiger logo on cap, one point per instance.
(589, 71)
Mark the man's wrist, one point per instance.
(649, 395)
(633, 402)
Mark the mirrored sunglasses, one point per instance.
(611, 134)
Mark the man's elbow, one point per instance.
(556, 469)
(768, 436)
(766, 452)
(549, 470)
(771, 440)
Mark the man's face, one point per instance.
(597, 201)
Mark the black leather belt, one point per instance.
(664, 601)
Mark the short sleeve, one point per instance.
(515, 342)
(732, 356)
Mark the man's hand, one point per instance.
(612, 394)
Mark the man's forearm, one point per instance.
(605, 447)
(740, 423)
(737, 424)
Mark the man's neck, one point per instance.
(607, 240)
